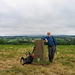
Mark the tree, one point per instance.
(2, 41)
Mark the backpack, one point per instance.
(27, 60)
(53, 38)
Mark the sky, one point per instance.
(37, 17)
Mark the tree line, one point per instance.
(21, 42)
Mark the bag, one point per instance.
(27, 60)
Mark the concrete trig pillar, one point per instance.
(39, 53)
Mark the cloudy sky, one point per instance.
(29, 17)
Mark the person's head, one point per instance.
(48, 33)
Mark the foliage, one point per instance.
(20, 40)
(2, 41)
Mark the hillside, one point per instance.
(20, 40)
(63, 64)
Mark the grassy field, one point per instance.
(63, 64)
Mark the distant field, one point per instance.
(63, 64)
(21, 40)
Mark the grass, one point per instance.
(63, 64)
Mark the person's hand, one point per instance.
(46, 40)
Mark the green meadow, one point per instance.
(63, 64)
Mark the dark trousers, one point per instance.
(51, 51)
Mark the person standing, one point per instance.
(52, 45)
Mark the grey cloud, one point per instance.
(37, 17)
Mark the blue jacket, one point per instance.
(51, 40)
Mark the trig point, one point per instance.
(39, 53)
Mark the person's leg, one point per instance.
(49, 53)
(52, 53)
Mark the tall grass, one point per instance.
(63, 64)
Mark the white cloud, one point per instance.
(21, 17)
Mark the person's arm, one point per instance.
(44, 38)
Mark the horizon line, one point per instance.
(39, 35)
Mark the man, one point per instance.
(52, 45)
